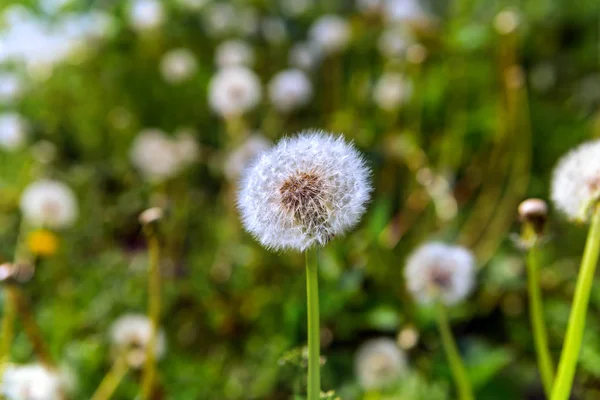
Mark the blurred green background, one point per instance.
(498, 91)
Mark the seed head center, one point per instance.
(302, 196)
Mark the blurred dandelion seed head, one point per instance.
(391, 91)
(178, 65)
(242, 156)
(436, 271)
(146, 15)
(576, 181)
(49, 203)
(290, 89)
(31, 382)
(331, 33)
(13, 131)
(130, 336)
(379, 363)
(233, 91)
(304, 56)
(304, 191)
(234, 52)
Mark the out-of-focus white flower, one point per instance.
(146, 15)
(178, 65)
(220, 19)
(331, 33)
(273, 30)
(49, 203)
(186, 146)
(10, 87)
(289, 90)
(304, 191)
(192, 5)
(233, 91)
(159, 157)
(248, 20)
(31, 382)
(234, 52)
(295, 8)
(370, 7)
(44, 151)
(304, 55)
(242, 157)
(436, 271)
(576, 181)
(379, 363)
(393, 42)
(131, 335)
(404, 11)
(13, 130)
(506, 21)
(53, 6)
(391, 91)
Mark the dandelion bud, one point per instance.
(151, 215)
(131, 335)
(535, 212)
(304, 191)
(439, 272)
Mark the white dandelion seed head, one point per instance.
(234, 52)
(192, 5)
(220, 18)
(331, 33)
(31, 382)
(393, 42)
(379, 363)
(304, 55)
(186, 146)
(233, 91)
(437, 271)
(11, 87)
(146, 15)
(131, 335)
(304, 191)
(403, 11)
(249, 21)
(391, 91)
(13, 131)
(49, 203)
(576, 181)
(289, 90)
(295, 8)
(274, 30)
(178, 65)
(156, 156)
(240, 158)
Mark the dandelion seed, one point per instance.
(576, 181)
(49, 203)
(131, 335)
(178, 65)
(289, 90)
(436, 271)
(233, 91)
(331, 33)
(379, 363)
(304, 191)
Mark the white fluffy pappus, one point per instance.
(13, 130)
(576, 181)
(290, 89)
(391, 91)
(178, 65)
(304, 55)
(331, 33)
(31, 382)
(233, 91)
(11, 86)
(241, 157)
(159, 157)
(131, 335)
(234, 52)
(304, 191)
(440, 272)
(146, 15)
(379, 363)
(49, 203)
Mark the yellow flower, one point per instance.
(42, 242)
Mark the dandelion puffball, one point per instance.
(234, 52)
(379, 363)
(576, 181)
(242, 156)
(304, 191)
(31, 382)
(178, 65)
(49, 203)
(331, 33)
(391, 91)
(233, 91)
(304, 55)
(146, 14)
(289, 90)
(436, 271)
(131, 335)
(13, 131)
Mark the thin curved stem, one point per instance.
(112, 379)
(459, 373)
(153, 313)
(572, 344)
(312, 296)
(536, 313)
(8, 323)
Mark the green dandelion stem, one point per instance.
(112, 379)
(312, 294)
